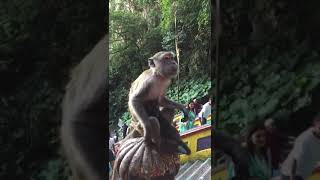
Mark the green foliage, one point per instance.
(190, 89)
(126, 118)
(146, 27)
(274, 88)
(166, 12)
(203, 17)
(270, 64)
(39, 45)
(168, 42)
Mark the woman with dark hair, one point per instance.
(186, 124)
(259, 153)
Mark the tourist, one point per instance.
(111, 151)
(259, 153)
(305, 155)
(197, 106)
(276, 142)
(205, 112)
(192, 108)
(124, 130)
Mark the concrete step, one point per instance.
(206, 175)
(197, 173)
(184, 167)
(186, 174)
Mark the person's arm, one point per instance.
(200, 115)
(298, 158)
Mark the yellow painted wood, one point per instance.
(220, 175)
(191, 140)
(315, 176)
(196, 123)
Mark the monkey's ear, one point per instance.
(151, 62)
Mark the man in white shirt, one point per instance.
(111, 143)
(111, 152)
(305, 154)
(205, 112)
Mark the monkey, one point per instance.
(147, 93)
(152, 138)
(83, 130)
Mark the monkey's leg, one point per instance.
(155, 131)
(137, 130)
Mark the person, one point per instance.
(276, 142)
(304, 156)
(205, 112)
(192, 116)
(115, 137)
(259, 153)
(191, 107)
(182, 126)
(124, 130)
(111, 151)
(196, 106)
(111, 143)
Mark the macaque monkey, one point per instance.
(152, 143)
(147, 95)
(84, 124)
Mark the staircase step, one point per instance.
(190, 170)
(183, 168)
(206, 175)
(197, 173)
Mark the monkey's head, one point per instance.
(164, 63)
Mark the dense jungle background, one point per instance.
(139, 29)
(269, 63)
(39, 44)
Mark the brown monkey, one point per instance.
(154, 155)
(147, 95)
(84, 125)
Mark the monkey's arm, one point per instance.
(137, 108)
(167, 103)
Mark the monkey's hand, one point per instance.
(152, 132)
